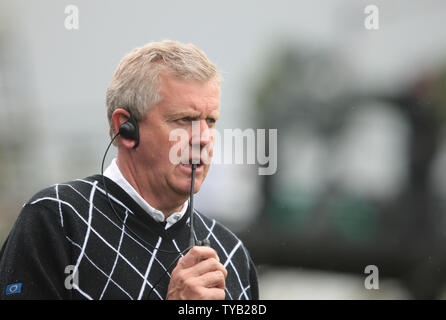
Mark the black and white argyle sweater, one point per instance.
(67, 243)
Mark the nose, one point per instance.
(201, 141)
(201, 135)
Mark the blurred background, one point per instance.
(360, 118)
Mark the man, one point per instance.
(126, 235)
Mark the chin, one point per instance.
(181, 184)
(184, 190)
(197, 187)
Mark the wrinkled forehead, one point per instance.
(190, 96)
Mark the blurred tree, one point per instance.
(311, 91)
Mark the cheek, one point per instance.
(163, 141)
(178, 151)
(207, 153)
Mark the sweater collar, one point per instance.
(113, 173)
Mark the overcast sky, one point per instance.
(63, 75)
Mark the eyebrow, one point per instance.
(191, 114)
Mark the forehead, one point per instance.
(178, 95)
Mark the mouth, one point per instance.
(187, 168)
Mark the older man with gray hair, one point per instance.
(126, 233)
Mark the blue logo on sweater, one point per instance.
(14, 288)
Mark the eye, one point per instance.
(211, 120)
(186, 119)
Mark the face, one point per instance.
(184, 105)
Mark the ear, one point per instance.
(119, 117)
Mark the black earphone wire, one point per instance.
(192, 241)
(113, 208)
(191, 207)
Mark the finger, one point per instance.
(214, 294)
(215, 279)
(196, 254)
(205, 266)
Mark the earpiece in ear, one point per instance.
(130, 130)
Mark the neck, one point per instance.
(167, 203)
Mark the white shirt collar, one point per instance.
(112, 172)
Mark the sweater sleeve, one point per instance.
(34, 257)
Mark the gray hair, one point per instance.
(135, 85)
